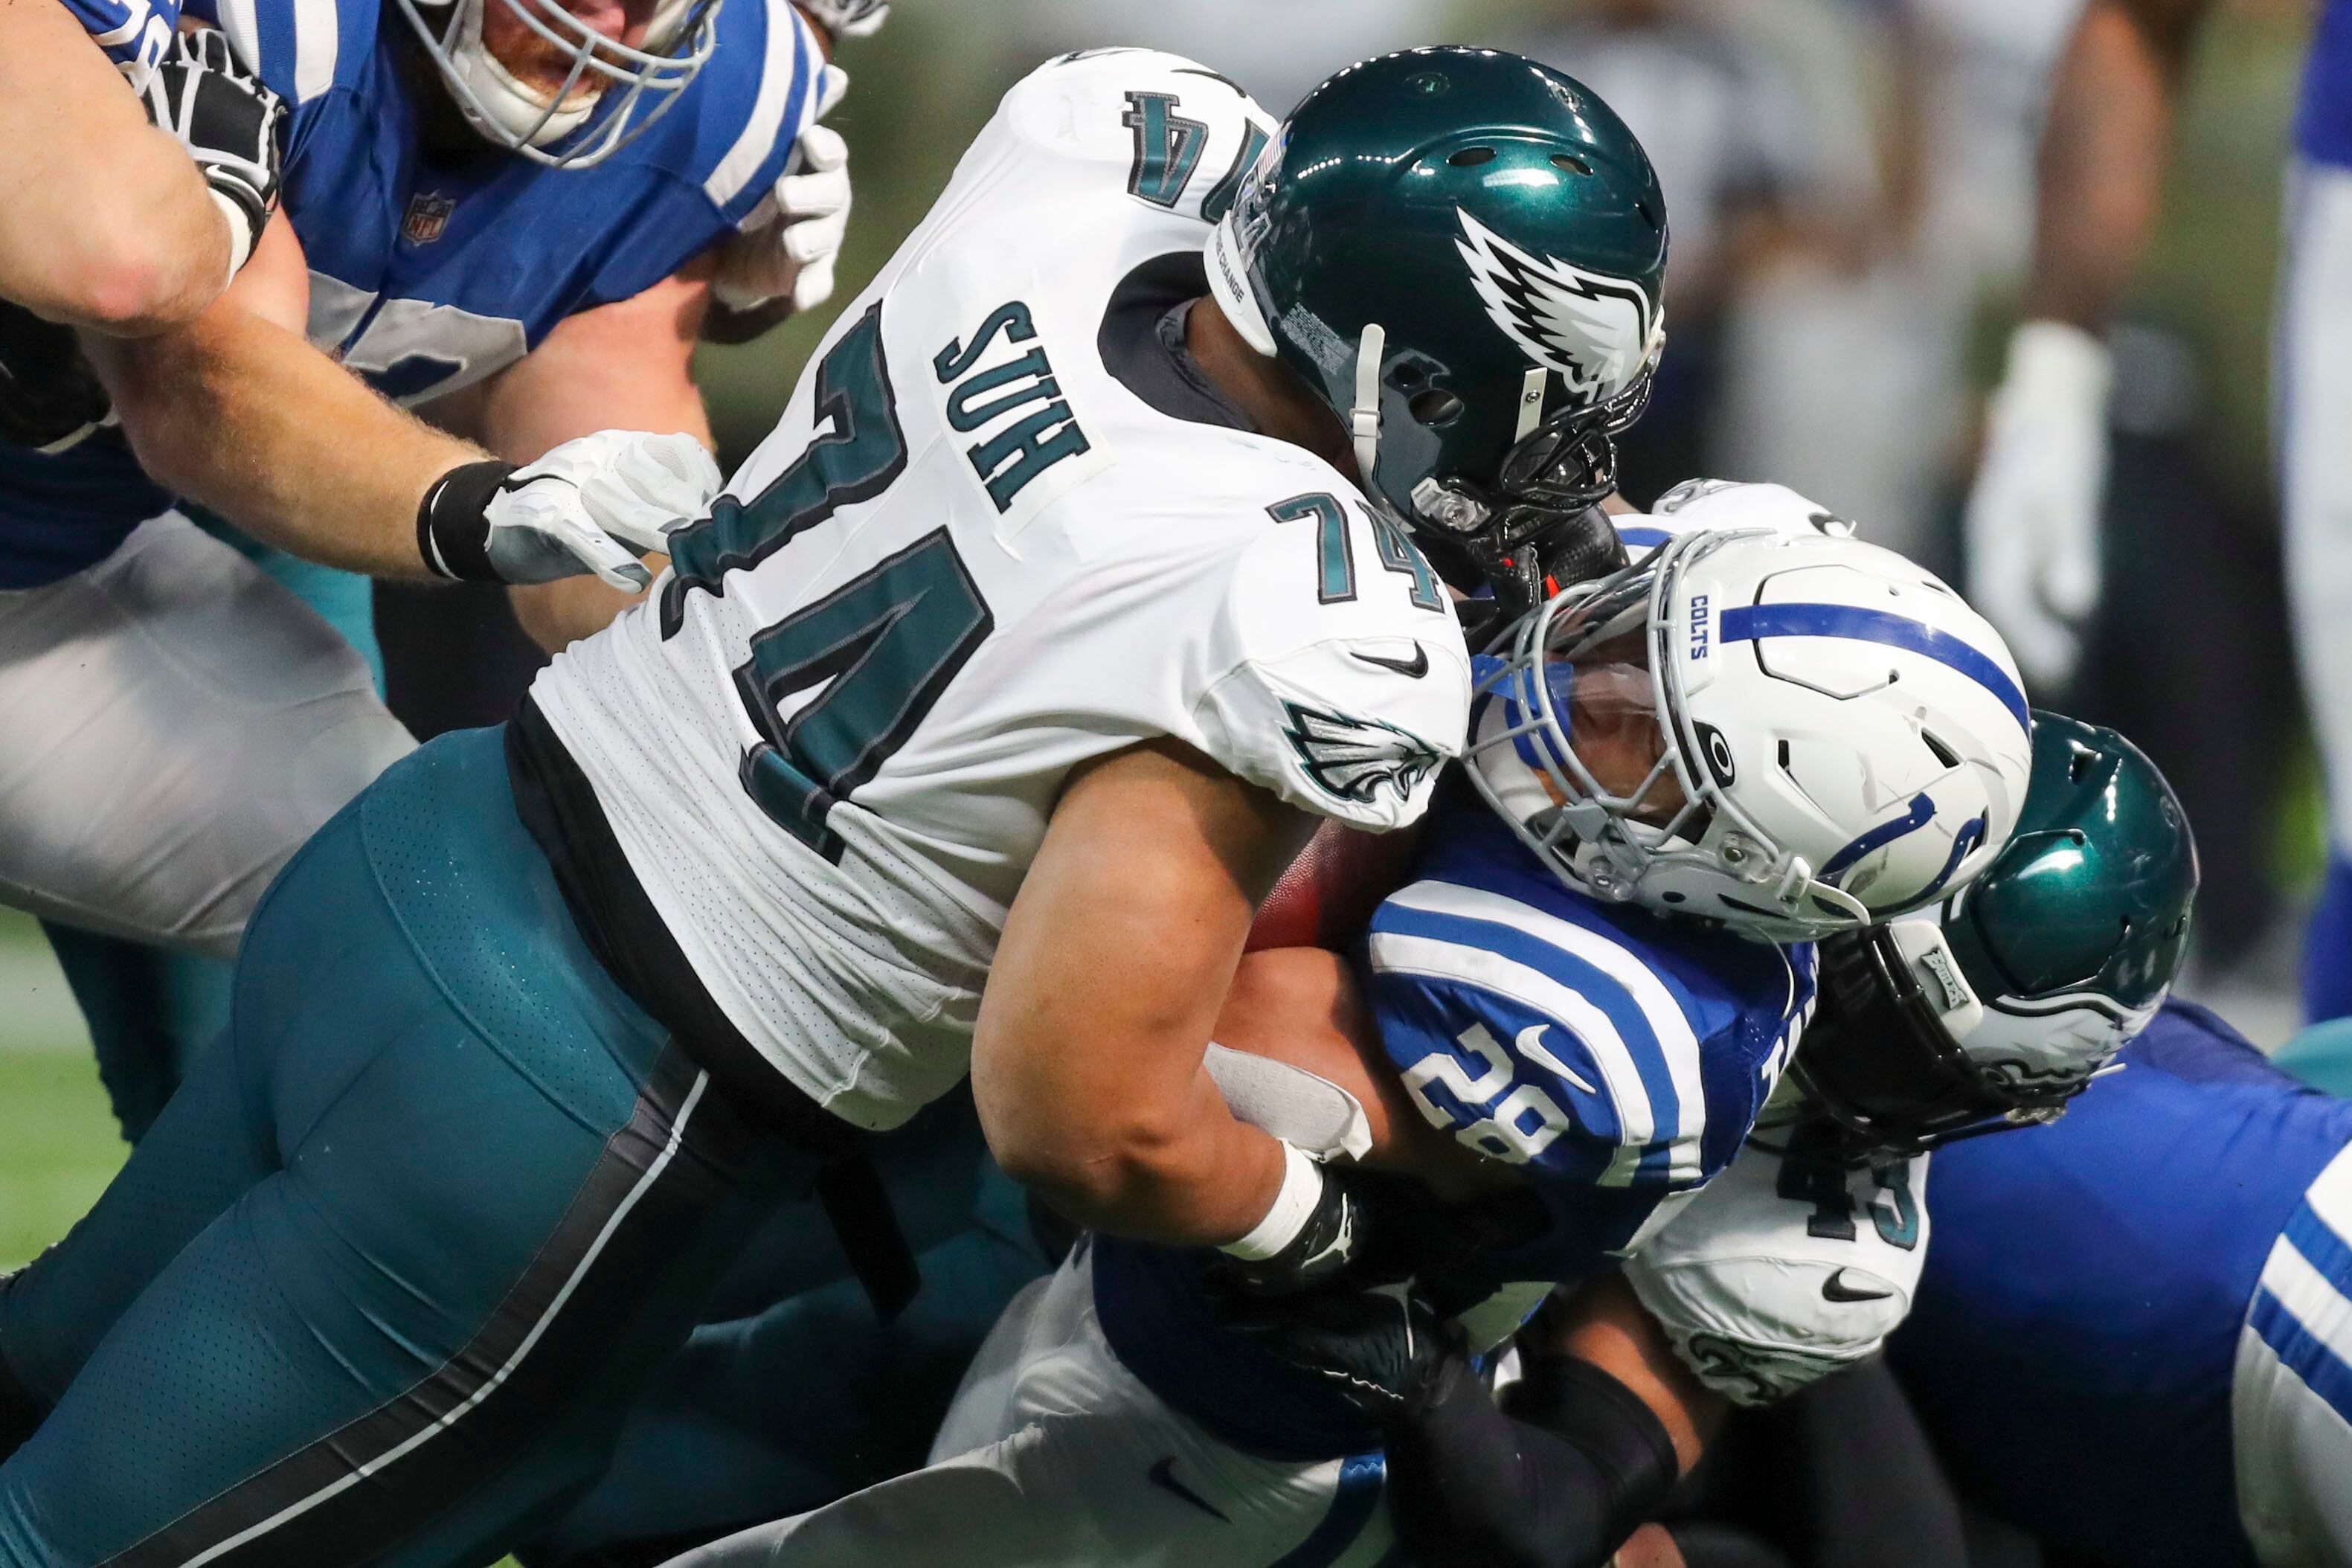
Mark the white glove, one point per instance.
(590, 505)
(1762, 1293)
(847, 18)
(2033, 523)
(790, 243)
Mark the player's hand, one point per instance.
(847, 18)
(590, 505)
(791, 242)
(2033, 523)
(1378, 1349)
(203, 97)
(1337, 1242)
(49, 397)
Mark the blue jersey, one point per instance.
(134, 33)
(2322, 124)
(1618, 1059)
(2073, 1342)
(427, 277)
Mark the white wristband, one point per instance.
(1302, 1188)
(240, 237)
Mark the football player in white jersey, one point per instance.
(963, 732)
(1539, 1030)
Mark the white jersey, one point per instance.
(967, 560)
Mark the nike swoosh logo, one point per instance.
(1412, 669)
(1835, 1288)
(1530, 1045)
(1164, 1476)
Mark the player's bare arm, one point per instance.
(628, 365)
(235, 409)
(1087, 1059)
(2104, 149)
(109, 225)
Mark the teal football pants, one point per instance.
(800, 1395)
(381, 1283)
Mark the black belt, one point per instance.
(621, 927)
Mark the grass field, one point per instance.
(58, 1144)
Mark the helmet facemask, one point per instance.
(1675, 838)
(610, 92)
(1903, 1056)
(1484, 366)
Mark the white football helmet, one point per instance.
(1838, 737)
(611, 94)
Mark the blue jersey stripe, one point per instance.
(1743, 623)
(1595, 985)
(2320, 1245)
(2303, 1352)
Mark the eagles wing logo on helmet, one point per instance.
(1353, 758)
(1595, 329)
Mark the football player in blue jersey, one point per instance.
(1563, 1026)
(1802, 1259)
(521, 282)
(2160, 1286)
(2081, 1265)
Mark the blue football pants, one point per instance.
(382, 1282)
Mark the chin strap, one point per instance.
(1364, 418)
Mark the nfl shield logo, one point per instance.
(428, 216)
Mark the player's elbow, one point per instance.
(129, 277)
(131, 292)
(1103, 1167)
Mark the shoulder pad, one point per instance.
(1781, 1271)
(1344, 685)
(1182, 135)
(1540, 1039)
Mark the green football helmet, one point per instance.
(1463, 252)
(2001, 1009)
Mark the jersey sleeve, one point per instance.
(1182, 137)
(1338, 681)
(1538, 1040)
(301, 49)
(134, 34)
(1786, 1269)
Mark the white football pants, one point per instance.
(2315, 422)
(1055, 1455)
(174, 724)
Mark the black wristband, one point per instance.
(453, 525)
(1469, 1485)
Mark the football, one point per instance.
(1326, 897)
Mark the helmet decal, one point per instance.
(1596, 331)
